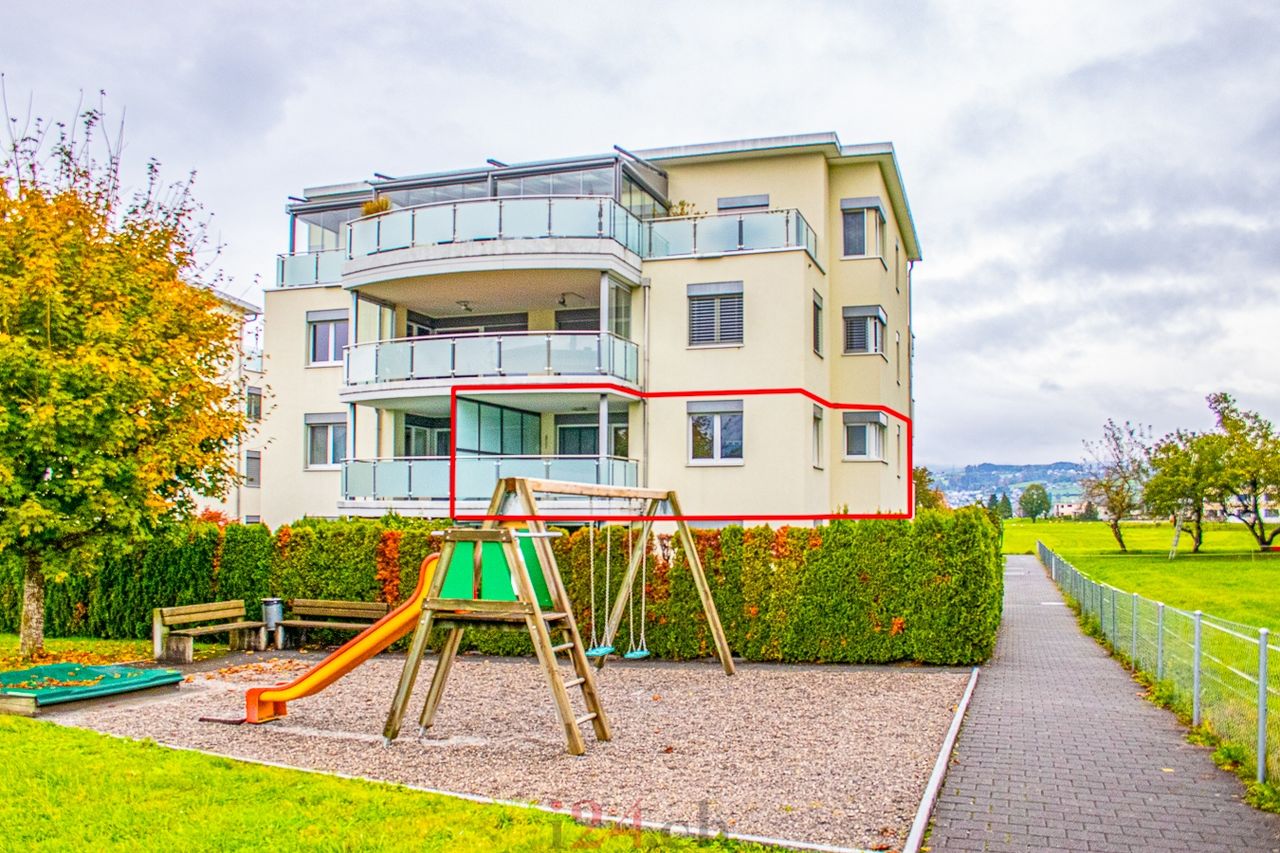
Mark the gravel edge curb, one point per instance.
(915, 838)
(670, 829)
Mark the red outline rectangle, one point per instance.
(631, 392)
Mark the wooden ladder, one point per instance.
(456, 615)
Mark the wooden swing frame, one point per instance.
(523, 490)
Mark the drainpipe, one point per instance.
(602, 443)
(645, 284)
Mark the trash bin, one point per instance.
(272, 612)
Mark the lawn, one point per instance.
(1230, 579)
(70, 789)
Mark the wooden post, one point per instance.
(700, 581)
(158, 633)
(416, 648)
(444, 664)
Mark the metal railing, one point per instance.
(1226, 674)
(729, 232)
(427, 477)
(506, 218)
(303, 268)
(493, 354)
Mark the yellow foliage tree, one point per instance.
(115, 403)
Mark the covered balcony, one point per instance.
(510, 355)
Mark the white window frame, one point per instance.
(817, 324)
(819, 434)
(876, 326)
(314, 323)
(873, 223)
(250, 393)
(723, 296)
(874, 425)
(326, 423)
(717, 411)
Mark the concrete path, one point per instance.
(1060, 752)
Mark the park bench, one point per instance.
(305, 613)
(217, 617)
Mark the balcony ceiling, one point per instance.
(491, 291)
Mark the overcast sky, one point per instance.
(1096, 186)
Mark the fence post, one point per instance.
(1133, 646)
(1160, 641)
(1115, 627)
(1264, 637)
(1195, 673)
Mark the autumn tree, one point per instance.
(1252, 463)
(1117, 469)
(1187, 472)
(927, 495)
(114, 406)
(1034, 502)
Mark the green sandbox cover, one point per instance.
(70, 682)
(495, 577)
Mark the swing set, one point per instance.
(504, 576)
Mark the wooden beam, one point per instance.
(417, 647)
(704, 590)
(560, 487)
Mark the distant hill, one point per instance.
(964, 485)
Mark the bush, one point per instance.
(850, 592)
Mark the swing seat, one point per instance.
(599, 651)
(636, 654)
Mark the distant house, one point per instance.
(1068, 509)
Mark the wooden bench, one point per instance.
(218, 617)
(307, 613)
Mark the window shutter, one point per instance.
(731, 318)
(702, 320)
(855, 334)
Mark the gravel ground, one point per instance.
(836, 755)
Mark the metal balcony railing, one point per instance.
(493, 354)
(427, 477)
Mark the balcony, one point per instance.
(427, 477)
(512, 354)
(727, 233)
(487, 219)
(306, 268)
(253, 360)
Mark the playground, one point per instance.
(820, 754)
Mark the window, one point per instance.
(855, 233)
(253, 519)
(326, 336)
(715, 432)
(715, 313)
(578, 440)
(253, 468)
(486, 429)
(864, 435)
(326, 439)
(864, 327)
(863, 227)
(817, 323)
(817, 436)
(253, 403)
(417, 326)
(424, 436)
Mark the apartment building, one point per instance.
(603, 319)
(242, 500)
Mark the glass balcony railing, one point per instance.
(728, 232)
(253, 360)
(523, 218)
(302, 268)
(427, 477)
(494, 354)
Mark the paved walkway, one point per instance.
(1059, 751)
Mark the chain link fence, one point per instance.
(1223, 674)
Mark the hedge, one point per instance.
(850, 592)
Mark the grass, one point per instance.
(69, 789)
(1230, 578)
(91, 651)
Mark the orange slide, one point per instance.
(268, 703)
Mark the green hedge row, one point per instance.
(849, 592)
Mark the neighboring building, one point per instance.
(1068, 509)
(769, 263)
(243, 502)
